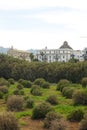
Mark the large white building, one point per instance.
(63, 54)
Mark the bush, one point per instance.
(4, 89)
(84, 82)
(83, 123)
(21, 92)
(19, 86)
(25, 83)
(41, 110)
(39, 81)
(11, 81)
(52, 99)
(68, 92)
(29, 103)
(8, 122)
(45, 85)
(35, 90)
(4, 82)
(80, 97)
(15, 103)
(62, 83)
(16, 92)
(50, 117)
(75, 115)
(1, 95)
(58, 124)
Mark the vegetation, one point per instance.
(8, 122)
(40, 111)
(75, 115)
(50, 117)
(15, 103)
(52, 99)
(83, 123)
(23, 89)
(20, 69)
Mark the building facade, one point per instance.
(63, 54)
(24, 55)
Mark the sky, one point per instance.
(36, 24)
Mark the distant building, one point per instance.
(19, 54)
(85, 54)
(63, 54)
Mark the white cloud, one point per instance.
(26, 4)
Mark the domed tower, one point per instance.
(65, 46)
(65, 52)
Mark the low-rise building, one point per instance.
(19, 54)
(63, 54)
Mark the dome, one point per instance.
(65, 46)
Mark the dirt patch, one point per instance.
(38, 124)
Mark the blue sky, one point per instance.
(26, 24)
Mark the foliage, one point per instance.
(15, 103)
(75, 115)
(58, 124)
(1, 95)
(4, 82)
(45, 85)
(84, 82)
(11, 80)
(4, 89)
(20, 69)
(50, 117)
(83, 123)
(29, 103)
(8, 122)
(62, 83)
(80, 97)
(19, 86)
(36, 91)
(25, 83)
(39, 81)
(52, 99)
(40, 111)
(68, 92)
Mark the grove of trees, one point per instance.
(51, 72)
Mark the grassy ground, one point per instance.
(65, 106)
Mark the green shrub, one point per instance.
(15, 103)
(36, 91)
(41, 110)
(19, 86)
(80, 97)
(59, 124)
(4, 82)
(1, 95)
(21, 92)
(83, 123)
(62, 83)
(75, 115)
(25, 83)
(45, 85)
(50, 117)
(84, 82)
(8, 122)
(52, 99)
(68, 92)
(11, 81)
(39, 81)
(29, 103)
(16, 92)
(4, 89)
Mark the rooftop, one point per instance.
(65, 46)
